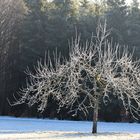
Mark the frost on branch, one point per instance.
(94, 72)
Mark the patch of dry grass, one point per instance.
(56, 135)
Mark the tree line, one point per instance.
(31, 29)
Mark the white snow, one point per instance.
(18, 128)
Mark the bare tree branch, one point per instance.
(95, 71)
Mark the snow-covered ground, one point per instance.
(45, 129)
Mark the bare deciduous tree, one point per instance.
(93, 73)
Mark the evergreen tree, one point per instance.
(134, 26)
(33, 33)
(116, 19)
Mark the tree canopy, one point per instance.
(29, 28)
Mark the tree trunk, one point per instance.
(95, 119)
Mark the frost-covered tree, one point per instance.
(93, 73)
(10, 19)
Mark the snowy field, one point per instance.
(38, 129)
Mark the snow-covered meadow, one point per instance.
(45, 129)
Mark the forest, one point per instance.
(30, 29)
